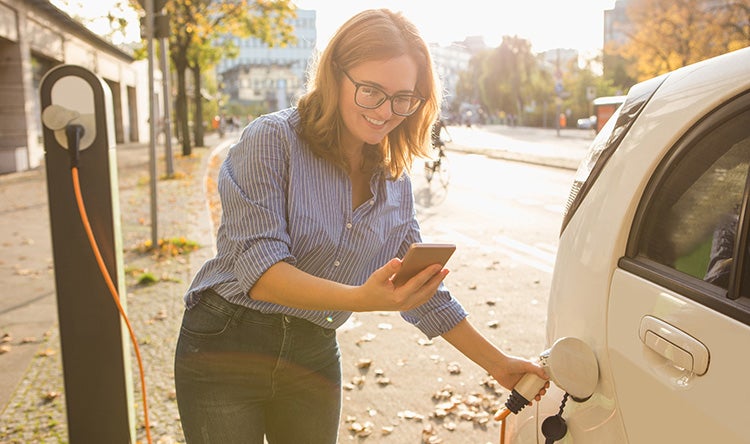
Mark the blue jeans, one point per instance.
(241, 375)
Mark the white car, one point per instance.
(653, 267)
(586, 123)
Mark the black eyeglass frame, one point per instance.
(386, 97)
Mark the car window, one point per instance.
(688, 228)
(693, 222)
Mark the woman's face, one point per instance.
(362, 125)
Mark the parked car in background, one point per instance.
(653, 266)
(586, 123)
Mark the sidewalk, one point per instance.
(543, 146)
(32, 399)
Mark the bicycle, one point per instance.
(439, 165)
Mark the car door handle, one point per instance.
(683, 350)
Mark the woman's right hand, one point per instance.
(379, 294)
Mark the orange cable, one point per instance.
(500, 415)
(113, 291)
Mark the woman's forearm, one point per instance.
(466, 339)
(507, 370)
(285, 284)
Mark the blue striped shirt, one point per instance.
(280, 202)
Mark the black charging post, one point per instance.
(95, 348)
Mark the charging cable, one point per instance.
(74, 133)
(521, 396)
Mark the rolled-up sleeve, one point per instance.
(252, 184)
(438, 315)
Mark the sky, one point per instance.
(547, 24)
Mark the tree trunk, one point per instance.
(181, 110)
(198, 114)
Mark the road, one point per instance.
(504, 217)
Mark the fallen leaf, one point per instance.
(51, 396)
(383, 381)
(364, 363)
(46, 353)
(365, 338)
(454, 368)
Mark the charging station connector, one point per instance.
(570, 363)
(74, 133)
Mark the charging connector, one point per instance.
(524, 392)
(74, 133)
(571, 364)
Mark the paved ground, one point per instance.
(532, 145)
(31, 386)
(32, 399)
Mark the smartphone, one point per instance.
(420, 256)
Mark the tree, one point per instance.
(576, 81)
(509, 78)
(466, 87)
(118, 21)
(734, 17)
(667, 34)
(198, 37)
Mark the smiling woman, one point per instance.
(317, 210)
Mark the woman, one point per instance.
(316, 213)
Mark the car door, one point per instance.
(679, 309)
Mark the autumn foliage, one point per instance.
(664, 35)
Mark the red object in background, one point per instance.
(604, 107)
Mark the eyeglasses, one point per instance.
(371, 97)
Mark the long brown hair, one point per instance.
(376, 34)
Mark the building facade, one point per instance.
(36, 36)
(271, 76)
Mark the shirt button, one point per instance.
(372, 201)
(336, 263)
(348, 225)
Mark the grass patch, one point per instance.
(170, 247)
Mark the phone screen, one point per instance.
(422, 255)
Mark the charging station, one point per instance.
(95, 350)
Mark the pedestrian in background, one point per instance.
(317, 209)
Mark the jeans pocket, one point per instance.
(204, 321)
